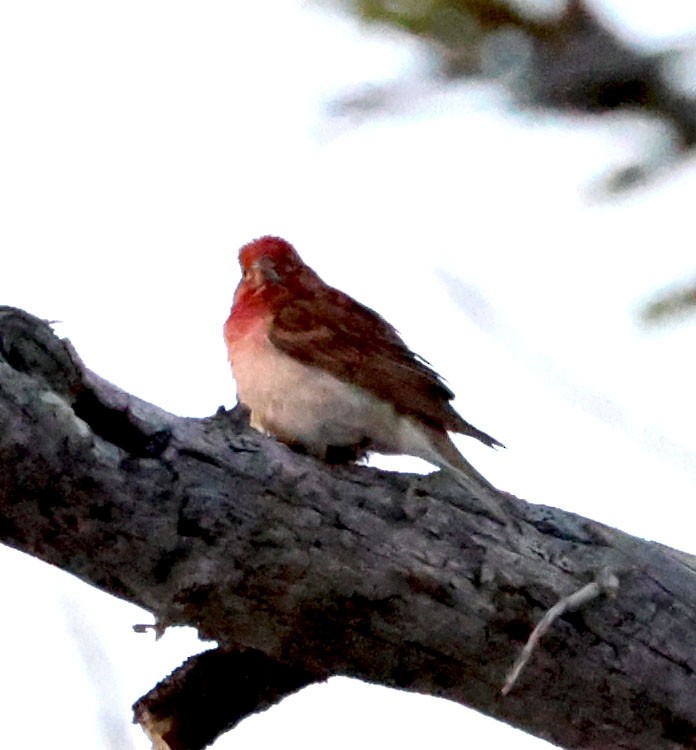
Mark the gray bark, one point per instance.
(300, 570)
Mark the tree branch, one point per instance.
(303, 570)
(210, 693)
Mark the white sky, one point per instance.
(141, 143)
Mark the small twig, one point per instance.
(606, 583)
(158, 628)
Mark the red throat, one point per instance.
(248, 310)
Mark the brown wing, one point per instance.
(328, 329)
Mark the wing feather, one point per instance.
(330, 330)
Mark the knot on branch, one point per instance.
(29, 346)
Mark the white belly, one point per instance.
(301, 404)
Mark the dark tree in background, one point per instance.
(562, 57)
(567, 59)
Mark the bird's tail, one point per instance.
(447, 457)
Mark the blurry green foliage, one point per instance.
(459, 27)
(551, 53)
(674, 303)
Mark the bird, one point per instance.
(331, 377)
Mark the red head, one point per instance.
(270, 270)
(268, 260)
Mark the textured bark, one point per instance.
(301, 570)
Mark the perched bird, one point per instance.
(323, 373)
